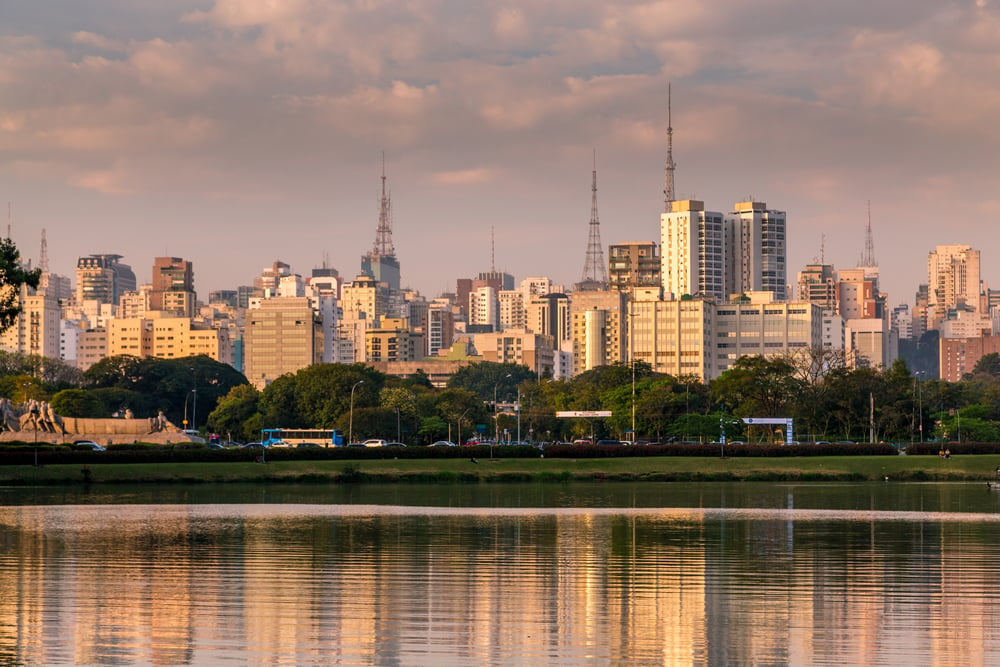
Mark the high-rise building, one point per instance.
(817, 283)
(633, 264)
(756, 260)
(953, 281)
(282, 335)
(266, 284)
(36, 329)
(103, 278)
(674, 336)
(598, 328)
(173, 287)
(692, 256)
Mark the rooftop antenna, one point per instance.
(868, 258)
(43, 255)
(383, 235)
(668, 185)
(594, 270)
(822, 248)
(493, 264)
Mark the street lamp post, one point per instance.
(34, 414)
(460, 425)
(517, 409)
(496, 419)
(350, 422)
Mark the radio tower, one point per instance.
(868, 258)
(668, 185)
(381, 263)
(43, 255)
(383, 235)
(595, 273)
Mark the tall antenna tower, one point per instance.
(43, 255)
(493, 248)
(868, 258)
(595, 273)
(668, 184)
(383, 235)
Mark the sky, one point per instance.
(234, 133)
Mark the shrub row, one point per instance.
(26, 453)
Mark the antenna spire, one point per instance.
(383, 235)
(595, 273)
(868, 258)
(668, 184)
(43, 255)
(493, 248)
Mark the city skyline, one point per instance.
(237, 134)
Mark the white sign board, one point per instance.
(583, 413)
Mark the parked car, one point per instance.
(442, 443)
(88, 444)
(611, 442)
(374, 442)
(306, 445)
(394, 444)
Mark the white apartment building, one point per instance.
(484, 307)
(512, 311)
(756, 250)
(692, 251)
(36, 329)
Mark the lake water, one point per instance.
(511, 574)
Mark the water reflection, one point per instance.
(408, 584)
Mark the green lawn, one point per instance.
(663, 468)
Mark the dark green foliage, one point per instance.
(237, 414)
(78, 403)
(486, 379)
(12, 277)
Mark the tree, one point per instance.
(486, 377)
(12, 277)
(988, 367)
(77, 403)
(758, 387)
(237, 414)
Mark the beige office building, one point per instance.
(393, 341)
(518, 346)
(168, 338)
(760, 326)
(282, 335)
(91, 347)
(953, 281)
(598, 328)
(673, 337)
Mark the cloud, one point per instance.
(464, 177)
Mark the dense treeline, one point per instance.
(827, 400)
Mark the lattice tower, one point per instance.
(594, 270)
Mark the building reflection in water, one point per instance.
(269, 584)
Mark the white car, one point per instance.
(375, 442)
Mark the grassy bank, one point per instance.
(659, 469)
